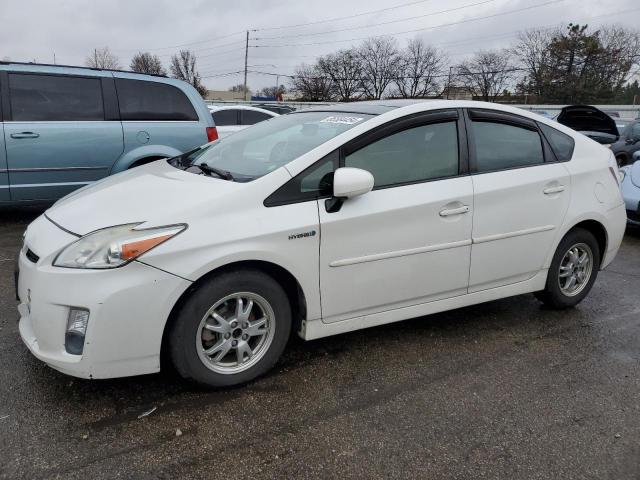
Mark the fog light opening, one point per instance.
(76, 330)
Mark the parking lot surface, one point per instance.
(506, 389)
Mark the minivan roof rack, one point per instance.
(9, 62)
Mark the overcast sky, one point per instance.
(215, 30)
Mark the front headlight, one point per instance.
(113, 246)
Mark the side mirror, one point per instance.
(351, 182)
(348, 183)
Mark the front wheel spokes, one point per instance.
(222, 325)
(257, 327)
(220, 350)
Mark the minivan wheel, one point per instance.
(573, 270)
(232, 329)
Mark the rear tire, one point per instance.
(231, 330)
(573, 270)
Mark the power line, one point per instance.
(335, 19)
(468, 20)
(448, 10)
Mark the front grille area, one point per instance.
(32, 256)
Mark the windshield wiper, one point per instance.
(225, 175)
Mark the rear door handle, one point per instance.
(25, 135)
(447, 212)
(552, 190)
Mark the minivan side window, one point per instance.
(225, 118)
(146, 100)
(49, 98)
(417, 154)
(561, 143)
(251, 117)
(502, 146)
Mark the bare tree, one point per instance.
(145, 62)
(418, 69)
(102, 58)
(487, 74)
(311, 84)
(183, 67)
(534, 56)
(343, 68)
(379, 65)
(273, 91)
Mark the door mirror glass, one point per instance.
(351, 182)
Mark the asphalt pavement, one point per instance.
(503, 390)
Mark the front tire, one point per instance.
(573, 270)
(231, 330)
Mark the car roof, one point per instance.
(369, 107)
(216, 108)
(49, 67)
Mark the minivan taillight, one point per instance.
(212, 134)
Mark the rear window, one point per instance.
(42, 98)
(251, 117)
(225, 118)
(561, 143)
(144, 100)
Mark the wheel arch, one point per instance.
(594, 226)
(284, 277)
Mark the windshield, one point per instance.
(266, 146)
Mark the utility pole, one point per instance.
(277, 82)
(449, 82)
(246, 58)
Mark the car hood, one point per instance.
(156, 193)
(590, 121)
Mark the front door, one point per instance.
(57, 138)
(521, 195)
(408, 241)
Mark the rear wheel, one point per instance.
(573, 270)
(231, 330)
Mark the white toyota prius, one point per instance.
(321, 221)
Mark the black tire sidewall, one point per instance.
(182, 345)
(552, 293)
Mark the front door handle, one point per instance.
(25, 135)
(447, 212)
(552, 190)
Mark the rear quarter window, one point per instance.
(146, 100)
(561, 143)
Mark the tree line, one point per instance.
(571, 65)
(182, 65)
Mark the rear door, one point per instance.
(155, 115)
(521, 195)
(59, 135)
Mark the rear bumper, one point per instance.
(616, 225)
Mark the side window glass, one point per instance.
(148, 100)
(251, 117)
(502, 146)
(225, 118)
(421, 153)
(315, 182)
(41, 98)
(561, 143)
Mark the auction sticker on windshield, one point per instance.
(342, 119)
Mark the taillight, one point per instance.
(212, 134)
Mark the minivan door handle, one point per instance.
(552, 190)
(25, 135)
(447, 212)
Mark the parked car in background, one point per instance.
(631, 189)
(589, 121)
(211, 258)
(64, 127)
(233, 118)
(628, 143)
(275, 107)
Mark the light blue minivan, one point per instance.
(64, 127)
